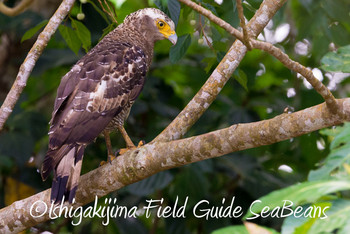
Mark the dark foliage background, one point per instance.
(261, 88)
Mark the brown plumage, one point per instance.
(98, 92)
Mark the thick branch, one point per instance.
(152, 158)
(33, 55)
(209, 91)
(22, 6)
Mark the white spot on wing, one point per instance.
(95, 96)
(130, 66)
(76, 68)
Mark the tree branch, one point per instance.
(305, 72)
(152, 158)
(212, 87)
(246, 37)
(29, 62)
(22, 6)
(271, 49)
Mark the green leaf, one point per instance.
(31, 122)
(342, 138)
(71, 38)
(210, 61)
(174, 10)
(31, 32)
(337, 217)
(179, 50)
(17, 145)
(303, 193)
(337, 61)
(337, 9)
(117, 3)
(340, 154)
(103, 15)
(239, 229)
(5, 161)
(330, 132)
(267, 80)
(162, 5)
(302, 223)
(241, 78)
(83, 34)
(183, 185)
(291, 223)
(249, 7)
(176, 226)
(208, 6)
(107, 30)
(130, 225)
(220, 46)
(151, 184)
(234, 4)
(344, 229)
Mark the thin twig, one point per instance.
(243, 25)
(112, 12)
(29, 62)
(22, 6)
(204, 35)
(109, 12)
(297, 67)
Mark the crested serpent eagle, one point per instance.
(96, 95)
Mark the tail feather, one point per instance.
(75, 174)
(66, 172)
(52, 158)
(58, 188)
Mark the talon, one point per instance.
(111, 157)
(124, 150)
(117, 153)
(141, 143)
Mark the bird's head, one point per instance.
(154, 23)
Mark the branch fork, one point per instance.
(251, 43)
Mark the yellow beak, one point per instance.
(173, 38)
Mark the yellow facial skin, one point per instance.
(165, 29)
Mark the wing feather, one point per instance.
(96, 89)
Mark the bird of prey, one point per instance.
(96, 95)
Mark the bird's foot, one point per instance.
(110, 158)
(124, 150)
(141, 143)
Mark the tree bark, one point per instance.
(152, 158)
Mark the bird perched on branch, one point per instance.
(96, 95)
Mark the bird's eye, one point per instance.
(161, 24)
